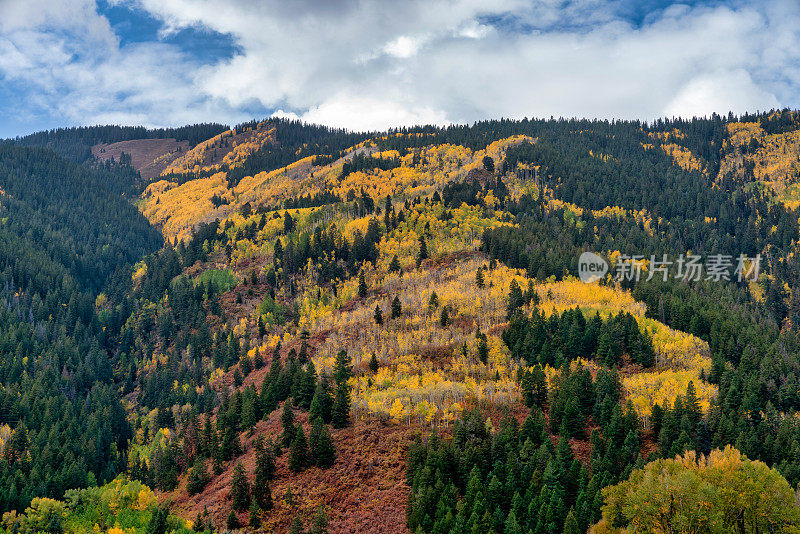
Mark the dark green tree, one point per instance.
(299, 457)
(322, 448)
(240, 489)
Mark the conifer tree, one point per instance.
(287, 421)
(340, 414)
(320, 525)
(378, 315)
(263, 473)
(397, 308)
(198, 478)
(322, 448)
(515, 298)
(483, 350)
(255, 518)
(342, 367)
(373, 363)
(240, 489)
(299, 457)
(233, 521)
(423, 250)
(394, 265)
(433, 301)
(322, 402)
(362, 285)
(479, 280)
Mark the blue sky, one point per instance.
(372, 64)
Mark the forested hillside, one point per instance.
(307, 329)
(66, 234)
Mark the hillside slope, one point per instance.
(386, 333)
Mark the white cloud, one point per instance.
(369, 64)
(404, 46)
(66, 64)
(721, 92)
(367, 114)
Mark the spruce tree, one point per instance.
(287, 421)
(362, 285)
(263, 473)
(322, 403)
(233, 521)
(397, 308)
(515, 298)
(158, 521)
(255, 518)
(320, 525)
(373, 363)
(198, 478)
(322, 448)
(571, 523)
(378, 315)
(423, 250)
(342, 367)
(479, 280)
(394, 265)
(299, 457)
(444, 317)
(240, 489)
(483, 350)
(340, 414)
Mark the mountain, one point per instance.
(282, 326)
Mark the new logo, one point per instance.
(591, 267)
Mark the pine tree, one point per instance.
(444, 317)
(340, 414)
(299, 457)
(423, 250)
(362, 285)
(240, 489)
(433, 302)
(233, 521)
(397, 308)
(515, 298)
(198, 478)
(394, 265)
(483, 350)
(571, 523)
(255, 518)
(572, 420)
(158, 521)
(322, 448)
(373, 363)
(320, 525)
(378, 315)
(287, 421)
(322, 403)
(479, 280)
(342, 367)
(263, 473)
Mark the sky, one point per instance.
(375, 64)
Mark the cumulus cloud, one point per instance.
(63, 60)
(372, 64)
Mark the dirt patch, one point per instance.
(148, 156)
(365, 490)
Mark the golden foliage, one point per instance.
(680, 358)
(177, 209)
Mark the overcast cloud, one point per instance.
(376, 64)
